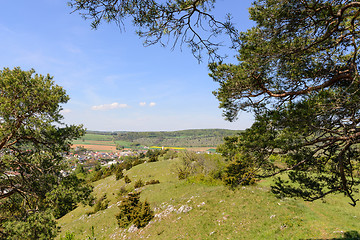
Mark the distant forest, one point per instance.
(184, 138)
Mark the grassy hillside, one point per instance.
(185, 138)
(188, 210)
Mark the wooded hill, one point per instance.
(184, 138)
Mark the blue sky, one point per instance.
(115, 84)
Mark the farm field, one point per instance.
(97, 142)
(107, 142)
(96, 147)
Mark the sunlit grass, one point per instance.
(217, 212)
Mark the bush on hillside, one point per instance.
(100, 204)
(133, 211)
(207, 166)
(170, 154)
(119, 173)
(239, 172)
(139, 183)
(122, 191)
(153, 181)
(127, 179)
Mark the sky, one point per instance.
(114, 82)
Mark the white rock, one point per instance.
(132, 228)
(184, 209)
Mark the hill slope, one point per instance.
(184, 138)
(198, 211)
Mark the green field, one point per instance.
(125, 144)
(217, 212)
(177, 139)
(88, 138)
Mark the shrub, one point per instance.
(152, 182)
(119, 174)
(68, 236)
(153, 158)
(127, 179)
(133, 211)
(139, 183)
(170, 154)
(200, 166)
(40, 225)
(122, 191)
(239, 172)
(137, 161)
(187, 166)
(98, 175)
(100, 204)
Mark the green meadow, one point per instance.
(198, 210)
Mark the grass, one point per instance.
(97, 137)
(90, 142)
(123, 143)
(217, 212)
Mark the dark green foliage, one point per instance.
(65, 197)
(122, 191)
(98, 175)
(352, 235)
(37, 226)
(170, 154)
(144, 215)
(100, 204)
(240, 168)
(133, 211)
(68, 236)
(139, 183)
(153, 156)
(119, 174)
(32, 143)
(201, 167)
(153, 159)
(298, 72)
(142, 155)
(136, 161)
(127, 179)
(153, 181)
(80, 169)
(238, 173)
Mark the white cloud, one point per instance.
(109, 106)
(142, 104)
(65, 111)
(152, 104)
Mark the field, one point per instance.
(102, 142)
(97, 142)
(189, 210)
(96, 147)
